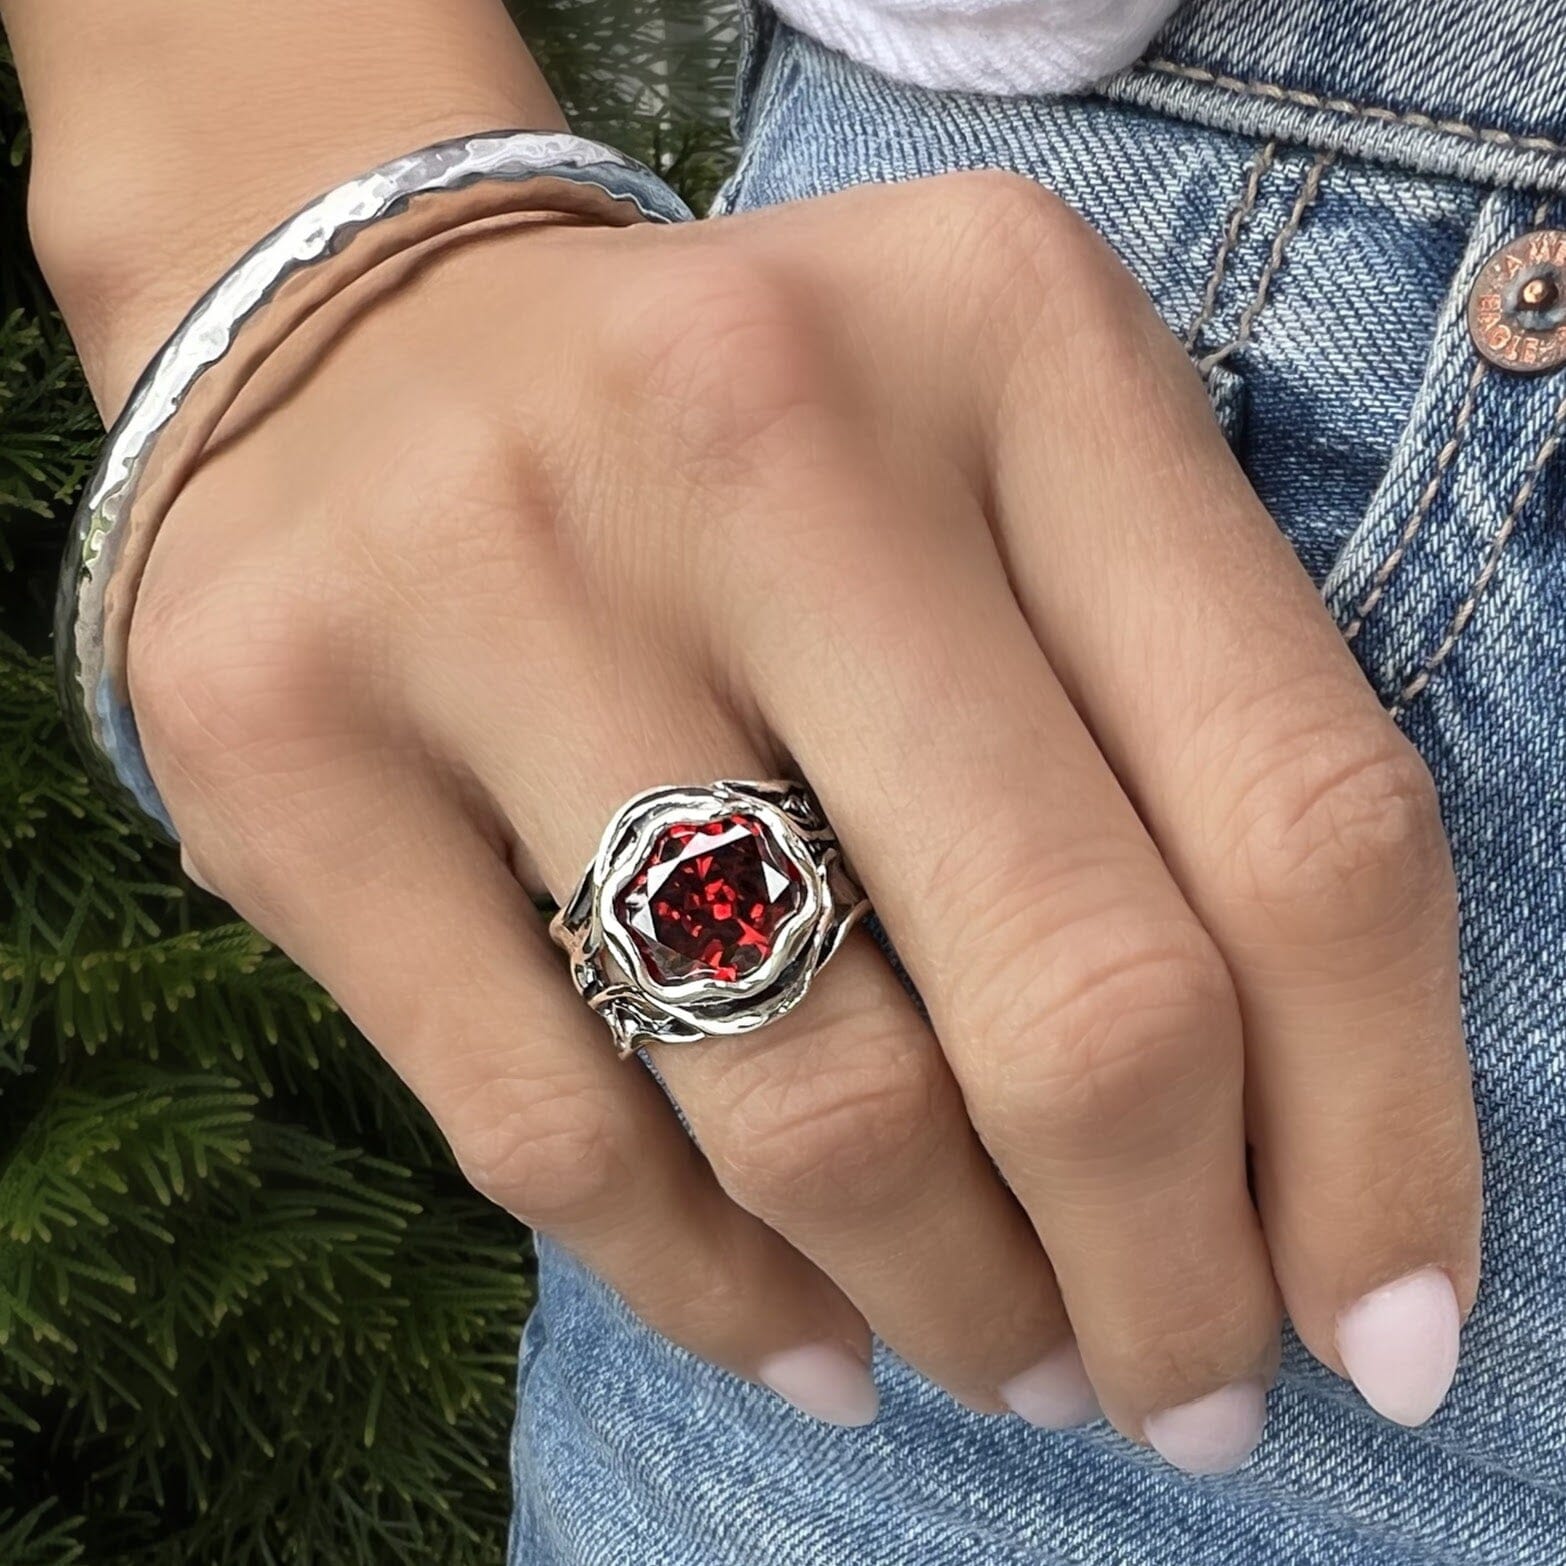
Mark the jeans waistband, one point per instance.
(1472, 88)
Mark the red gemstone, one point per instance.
(710, 900)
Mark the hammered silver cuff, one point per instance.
(197, 375)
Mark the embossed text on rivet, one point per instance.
(1517, 309)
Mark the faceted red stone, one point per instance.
(709, 901)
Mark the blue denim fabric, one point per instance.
(1364, 159)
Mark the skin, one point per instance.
(911, 489)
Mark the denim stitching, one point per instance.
(1481, 583)
(1310, 189)
(1421, 512)
(1311, 100)
(754, 90)
(1242, 209)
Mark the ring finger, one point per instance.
(839, 1125)
(361, 865)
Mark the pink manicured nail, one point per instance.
(825, 1381)
(192, 874)
(1213, 1434)
(1399, 1345)
(1054, 1394)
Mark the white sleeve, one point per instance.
(999, 46)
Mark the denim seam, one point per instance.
(1422, 508)
(1310, 100)
(1492, 561)
(753, 94)
(1240, 214)
(1310, 189)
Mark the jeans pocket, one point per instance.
(1452, 594)
(755, 22)
(1470, 471)
(1226, 393)
(757, 69)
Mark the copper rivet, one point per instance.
(1538, 293)
(1517, 310)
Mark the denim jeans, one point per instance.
(1308, 189)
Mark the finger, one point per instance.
(1303, 827)
(1085, 1013)
(843, 1128)
(838, 1124)
(361, 867)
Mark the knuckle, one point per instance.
(986, 207)
(1124, 1020)
(839, 1134)
(1021, 255)
(1012, 241)
(553, 1159)
(722, 354)
(1337, 833)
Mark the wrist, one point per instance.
(163, 150)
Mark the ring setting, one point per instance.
(707, 911)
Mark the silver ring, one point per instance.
(707, 911)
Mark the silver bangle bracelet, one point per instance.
(196, 376)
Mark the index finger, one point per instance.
(1303, 827)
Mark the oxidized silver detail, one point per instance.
(229, 333)
(613, 979)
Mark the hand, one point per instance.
(908, 487)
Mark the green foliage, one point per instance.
(249, 1314)
(652, 79)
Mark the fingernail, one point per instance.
(1213, 1434)
(1054, 1394)
(1399, 1345)
(191, 874)
(825, 1381)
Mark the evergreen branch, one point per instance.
(35, 1538)
(250, 1313)
(49, 429)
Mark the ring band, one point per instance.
(707, 912)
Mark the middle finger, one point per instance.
(1085, 1012)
